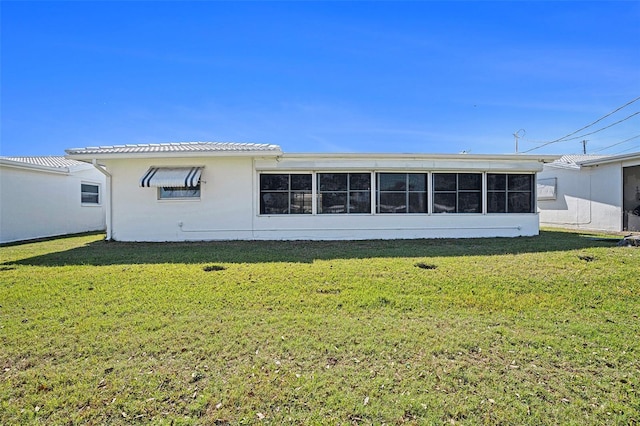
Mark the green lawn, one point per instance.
(541, 330)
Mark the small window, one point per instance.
(90, 193)
(179, 192)
(344, 192)
(285, 194)
(510, 193)
(547, 189)
(402, 193)
(457, 193)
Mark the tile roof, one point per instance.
(54, 162)
(176, 147)
(574, 160)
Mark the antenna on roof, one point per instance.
(517, 135)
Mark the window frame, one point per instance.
(349, 193)
(472, 191)
(169, 189)
(507, 191)
(457, 192)
(98, 194)
(407, 191)
(289, 191)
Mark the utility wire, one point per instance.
(627, 150)
(589, 125)
(601, 118)
(602, 128)
(585, 134)
(616, 144)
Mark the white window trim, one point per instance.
(407, 172)
(372, 186)
(374, 191)
(176, 199)
(85, 204)
(258, 192)
(483, 193)
(534, 192)
(547, 189)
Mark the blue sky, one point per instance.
(428, 77)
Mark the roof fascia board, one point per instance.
(607, 160)
(395, 162)
(457, 157)
(564, 166)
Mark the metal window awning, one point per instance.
(171, 177)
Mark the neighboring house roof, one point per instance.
(175, 148)
(572, 161)
(47, 163)
(611, 159)
(586, 160)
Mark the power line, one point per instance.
(627, 150)
(616, 144)
(601, 129)
(585, 134)
(601, 118)
(562, 139)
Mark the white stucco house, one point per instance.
(49, 196)
(222, 191)
(591, 192)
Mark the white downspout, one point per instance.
(108, 204)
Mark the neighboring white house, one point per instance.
(591, 192)
(221, 191)
(49, 196)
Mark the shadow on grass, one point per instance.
(51, 238)
(102, 253)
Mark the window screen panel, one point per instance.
(444, 182)
(333, 202)
(393, 182)
(417, 202)
(444, 202)
(274, 203)
(332, 182)
(417, 181)
(269, 182)
(520, 202)
(392, 202)
(469, 181)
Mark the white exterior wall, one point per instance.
(229, 204)
(588, 198)
(38, 203)
(395, 226)
(223, 212)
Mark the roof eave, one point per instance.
(566, 166)
(608, 160)
(36, 167)
(404, 156)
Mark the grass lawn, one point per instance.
(541, 330)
